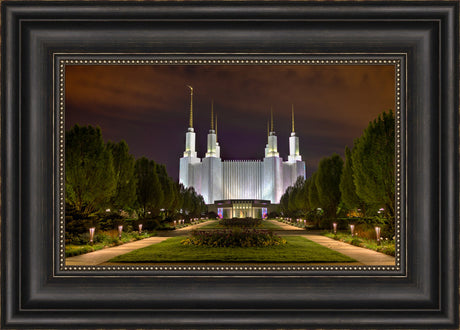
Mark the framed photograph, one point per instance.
(230, 164)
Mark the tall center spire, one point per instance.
(293, 119)
(191, 106)
(216, 127)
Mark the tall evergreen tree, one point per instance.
(347, 186)
(166, 185)
(149, 192)
(327, 182)
(125, 181)
(374, 163)
(313, 196)
(89, 173)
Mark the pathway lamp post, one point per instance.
(352, 229)
(91, 235)
(334, 225)
(140, 228)
(120, 229)
(377, 232)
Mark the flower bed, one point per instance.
(234, 238)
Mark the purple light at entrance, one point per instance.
(264, 213)
(220, 212)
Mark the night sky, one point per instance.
(148, 106)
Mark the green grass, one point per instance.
(265, 225)
(72, 250)
(387, 247)
(297, 249)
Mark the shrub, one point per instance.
(241, 222)
(234, 238)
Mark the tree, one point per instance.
(374, 163)
(167, 186)
(89, 179)
(313, 196)
(125, 181)
(327, 182)
(347, 186)
(148, 192)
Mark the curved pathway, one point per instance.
(362, 255)
(101, 256)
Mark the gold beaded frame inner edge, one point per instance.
(62, 60)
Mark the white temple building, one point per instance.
(239, 188)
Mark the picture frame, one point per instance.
(38, 293)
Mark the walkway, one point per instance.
(362, 255)
(101, 256)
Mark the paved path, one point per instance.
(101, 256)
(362, 255)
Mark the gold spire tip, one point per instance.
(271, 117)
(293, 119)
(191, 106)
(212, 114)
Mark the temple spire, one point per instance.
(212, 114)
(216, 127)
(268, 128)
(293, 119)
(271, 118)
(191, 106)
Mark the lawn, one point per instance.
(297, 249)
(265, 225)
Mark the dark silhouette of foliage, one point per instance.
(374, 163)
(327, 182)
(125, 181)
(89, 173)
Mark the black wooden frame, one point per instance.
(35, 294)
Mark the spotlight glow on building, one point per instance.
(239, 188)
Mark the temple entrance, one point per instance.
(257, 209)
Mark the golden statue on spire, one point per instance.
(191, 106)
(293, 118)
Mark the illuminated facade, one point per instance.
(221, 181)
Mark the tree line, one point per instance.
(363, 185)
(104, 177)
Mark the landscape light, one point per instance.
(334, 225)
(377, 232)
(352, 229)
(91, 234)
(120, 229)
(140, 228)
